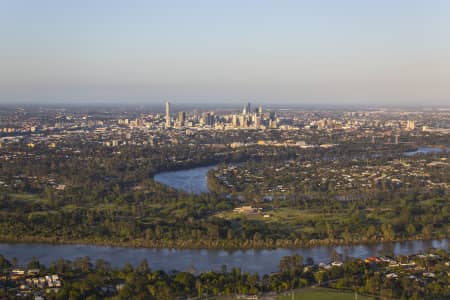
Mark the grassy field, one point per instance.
(311, 294)
(284, 215)
(322, 294)
(26, 197)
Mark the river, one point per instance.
(193, 180)
(424, 150)
(260, 261)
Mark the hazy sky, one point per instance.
(346, 51)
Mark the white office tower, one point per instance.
(168, 121)
(247, 109)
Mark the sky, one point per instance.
(369, 52)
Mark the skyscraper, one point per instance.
(246, 110)
(168, 121)
(257, 123)
(181, 117)
(234, 121)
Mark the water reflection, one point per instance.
(253, 260)
(192, 181)
(424, 150)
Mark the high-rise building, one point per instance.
(168, 121)
(410, 125)
(257, 122)
(208, 119)
(273, 120)
(272, 115)
(247, 109)
(234, 121)
(181, 117)
(242, 121)
(273, 123)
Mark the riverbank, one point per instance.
(262, 261)
(209, 244)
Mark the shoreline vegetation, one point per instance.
(209, 245)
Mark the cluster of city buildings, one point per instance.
(114, 128)
(19, 121)
(247, 119)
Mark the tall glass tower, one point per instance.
(168, 121)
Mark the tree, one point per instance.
(291, 263)
(102, 266)
(373, 284)
(411, 229)
(320, 276)
(143, 267)
(4, 263)
(388, 232)
(186, 281)
(330, 232)
(427, 231)
(127, 268)
(34, 264)
(371, 232)
(14, 261)
(347, 236)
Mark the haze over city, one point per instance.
(293, 52)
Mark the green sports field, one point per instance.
(322, 294)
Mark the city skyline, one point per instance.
(296, 52)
